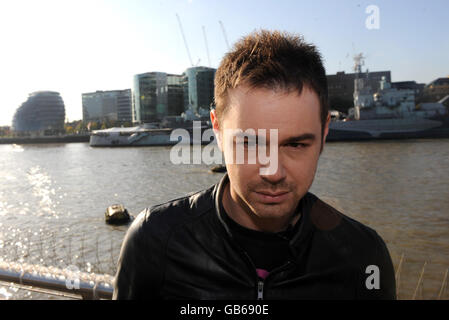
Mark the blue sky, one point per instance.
(82, 46)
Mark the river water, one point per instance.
(53, 198)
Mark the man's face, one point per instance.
(297, 120)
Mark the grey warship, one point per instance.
(389, 113)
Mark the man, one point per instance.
(259, 233)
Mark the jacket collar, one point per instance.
(218, 198)
(301, 234)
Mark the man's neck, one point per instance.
(238, 211)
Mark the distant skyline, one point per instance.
(82, 46)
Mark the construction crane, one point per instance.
(224, 34)
(207, 47)
(185, 41)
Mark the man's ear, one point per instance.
(216, 128)
(325, 131)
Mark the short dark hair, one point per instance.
(274, 60)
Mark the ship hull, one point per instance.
(155, 137)
(120, 141)
(388, 129)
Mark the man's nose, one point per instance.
(276, 175)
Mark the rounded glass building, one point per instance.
(43, 112)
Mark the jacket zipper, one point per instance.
(261, 283)
(260, 290)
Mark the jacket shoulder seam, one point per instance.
(184, 197)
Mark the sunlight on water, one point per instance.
(42, 189)
(4, 294)
(16, 148)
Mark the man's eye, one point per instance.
(297, 145)
(250, 144)
(247, 143)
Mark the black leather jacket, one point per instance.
(183, 249)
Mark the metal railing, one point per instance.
(68, 282)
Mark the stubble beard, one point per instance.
(262, 210)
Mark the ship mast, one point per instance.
(358, 83)
(359, 61)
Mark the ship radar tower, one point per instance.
(359, 61)
(359, 85)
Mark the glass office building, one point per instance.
(43, 112)
(175, 94)
(156, 95)
(149, 96)
(199, 92)
(124, 105)
(107, 105)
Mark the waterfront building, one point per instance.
(124, 106)
(114, 105)
(148, 96)
(175, 94)
(43, 113)
(156, 95)
(436, 90)
(5, 130)
(199, 88)
(411, 85)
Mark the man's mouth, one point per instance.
(271, 197)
